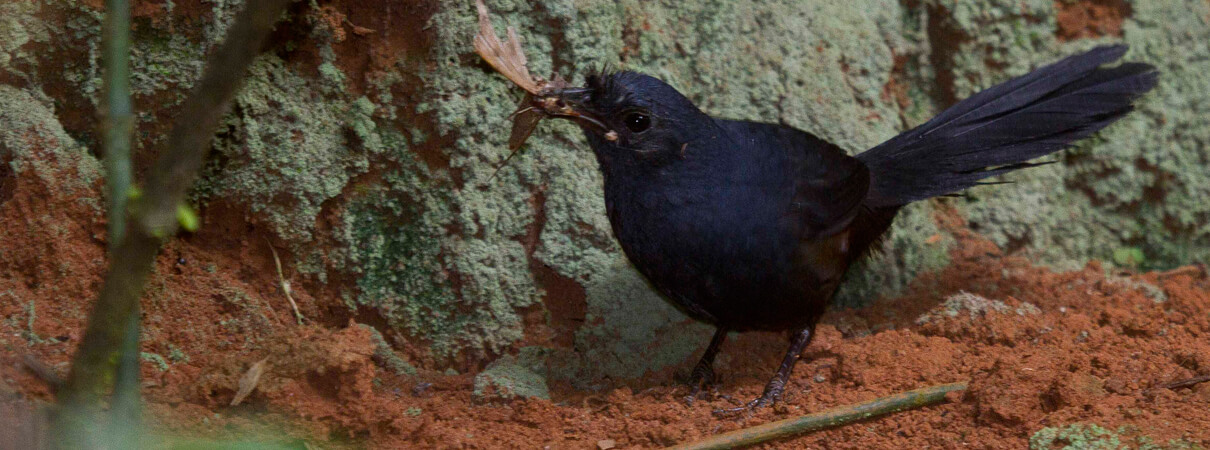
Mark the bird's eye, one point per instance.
(637, 122)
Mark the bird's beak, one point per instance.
(571, 104)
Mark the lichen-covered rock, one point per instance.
(973, 307)
(505, 379)
(367, 137)
(963, 317)
(49, 205)
(33, 144)
(1075, 436)
(1090, 436)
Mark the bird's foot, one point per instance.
(770, 396)
(702, 376)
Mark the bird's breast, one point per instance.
(702, 246)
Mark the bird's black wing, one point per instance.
(827, 185)
(831, 185)
(823, 190)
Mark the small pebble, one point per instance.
(420, 388)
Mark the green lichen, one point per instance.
(813, 65)
(155, 358)
(19, 26)
(222, 14)
(31, 139)
(32, 313)
(160, 63)
(456, 294)
(386, 356)
(439, 257)
(505, 379)
(286, 152)
(1080, 436)
(176, 355)
(1076, 437)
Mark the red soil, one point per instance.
(1090, 18)
(1089, 355)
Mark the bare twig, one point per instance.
(1188, 382)
(831, 418)
(285, 285)
(154, 217)
(42, 371)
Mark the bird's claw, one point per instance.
(748, 408)
(770, 396)
(702, 376)
(697, 392)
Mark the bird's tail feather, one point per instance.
(999, 129)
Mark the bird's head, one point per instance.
(632, 118)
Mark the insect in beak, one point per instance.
(542, 99)
(525, 120)
(554, 100)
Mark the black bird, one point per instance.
(752, 226)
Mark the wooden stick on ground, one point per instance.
(835, 417)
(1179, 384)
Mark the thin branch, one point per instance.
(152, 218)
(118, 124)
(125, 415)
(285, 285)
(1188, 382)
(835, 417)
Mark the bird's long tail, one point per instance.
(1000, 129)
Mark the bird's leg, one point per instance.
(703, 372)
(775, 387)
